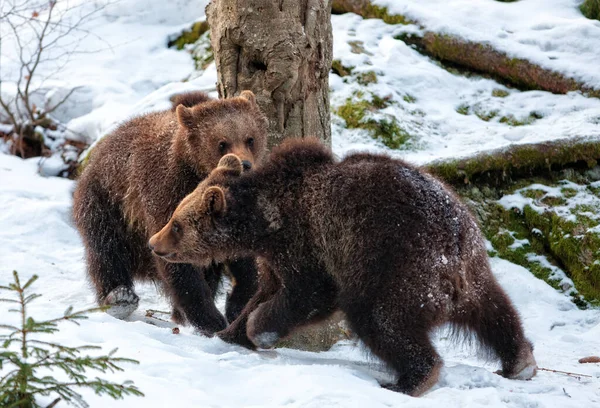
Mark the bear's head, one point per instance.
(199, 230)
(212, 129)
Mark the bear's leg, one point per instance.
(192, 296)
(111, 250)
(244, 282)
(401, 341)
(212, 275)
(306, 297)
(268, 284)
(498, 326)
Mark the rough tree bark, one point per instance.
(281, 50)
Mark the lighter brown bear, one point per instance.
(133, 182)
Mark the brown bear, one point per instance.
(385, 242)
(133, 182)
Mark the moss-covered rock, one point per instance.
(566, 217)
(505, 165)
(591, 9)
(361, 113)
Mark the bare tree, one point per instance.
(42, 37)
(282, 51)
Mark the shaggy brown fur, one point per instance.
(386, 243)
(133, 182)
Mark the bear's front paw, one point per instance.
(207, 324)
(236, 337)
(122, 302)
(261, 339)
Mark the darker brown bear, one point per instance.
(133, 182)
(385, 242)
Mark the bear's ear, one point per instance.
(249, 96)
(231, 162)
(185, 116)
(213, 201)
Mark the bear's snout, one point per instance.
(158, 244)
(246, 165)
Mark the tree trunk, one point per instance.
(281, 50)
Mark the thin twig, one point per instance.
(564, 372)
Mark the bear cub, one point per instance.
(134, 179)
(385, 242)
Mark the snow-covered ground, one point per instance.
(36, 237)
(550, 33)
(134, 72)
(129, 70)
(427, 100)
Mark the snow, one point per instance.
(550, 33)
(126, 69)
(574, 205)
(439, 130)
(37, 237)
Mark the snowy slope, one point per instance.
(550, 33)
(427, 99)
(36, 236)
(133, 72)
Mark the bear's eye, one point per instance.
(176, 228)
(222, 147)
(250, 142)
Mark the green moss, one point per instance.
(533, 193)
(189, 36)
(553, 201)
(501, 230)
(500, 93)
(409, 98)
(372, 11)
(511, 120)
(568, 192)
(339, 69)
(463, 109)
(202, 52)
(363, 114)
(591, 9)
(486, 116)
(381, 103)
(366, 78)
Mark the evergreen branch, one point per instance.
(20, 386)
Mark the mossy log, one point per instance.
(473, 56)
(500, 166)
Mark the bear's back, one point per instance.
(375, 207)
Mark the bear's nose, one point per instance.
(246, 165)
